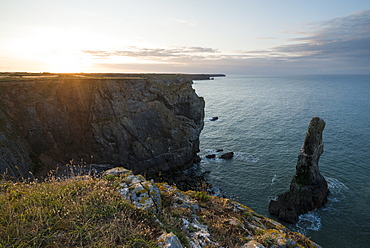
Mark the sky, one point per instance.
(186, 36)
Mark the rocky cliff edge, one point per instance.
(146, 123)
(194, 219)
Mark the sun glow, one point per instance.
(59, 50)
(66, 61)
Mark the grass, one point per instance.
(79, 212)
(84, 211)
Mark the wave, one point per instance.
(335, 186)
(337, 193)
(309, 221)
(246, 158)
(273, 179)
(312, 220)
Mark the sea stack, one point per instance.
(308, 189)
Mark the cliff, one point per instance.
(147, 123)
(201, 220)
(125, 210)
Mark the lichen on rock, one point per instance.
(137, 190)
(169, 240)
(193, 219)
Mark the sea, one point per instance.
(263, 120)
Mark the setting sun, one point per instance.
(60, 50)
(66, 62)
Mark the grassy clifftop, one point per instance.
(124, 210)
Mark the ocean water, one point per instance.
(263, 119)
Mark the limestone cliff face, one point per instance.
(146, 123)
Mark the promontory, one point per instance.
(147, 123)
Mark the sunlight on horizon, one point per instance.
(66, 62)
(60, 50)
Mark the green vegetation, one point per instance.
(201, 196)
(79, 212)
(85, 211)
(171, 217)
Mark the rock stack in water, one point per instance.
(308, 189)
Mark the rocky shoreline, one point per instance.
(206, 221)
(76, 124)
(149, 123)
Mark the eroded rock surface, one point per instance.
(308, 189)
(196, 220)
(147, 123)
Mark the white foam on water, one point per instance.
(337, 194)
(245, 157)
(337, 191)
(312, 220)
(335, 186)
(309, 221)
(272, 198)
(273, 179)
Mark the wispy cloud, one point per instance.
(177, 54)
(340, 38)
(338, 45)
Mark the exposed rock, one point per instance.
(308, 189)
(219, 150)
(147, 123)
(194, 219)
(211, 156)
(253, 244)
(137, 190)
(215, 118)
(169, 240)
(198, 234)
(228, 155)
(189, 179)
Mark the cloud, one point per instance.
(340, 45)
(175, 54)
(344, 38)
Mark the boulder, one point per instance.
(228, 155)
(308, 189)
(215, 118)
(137, 190)
(169, 240)
(211, 156)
